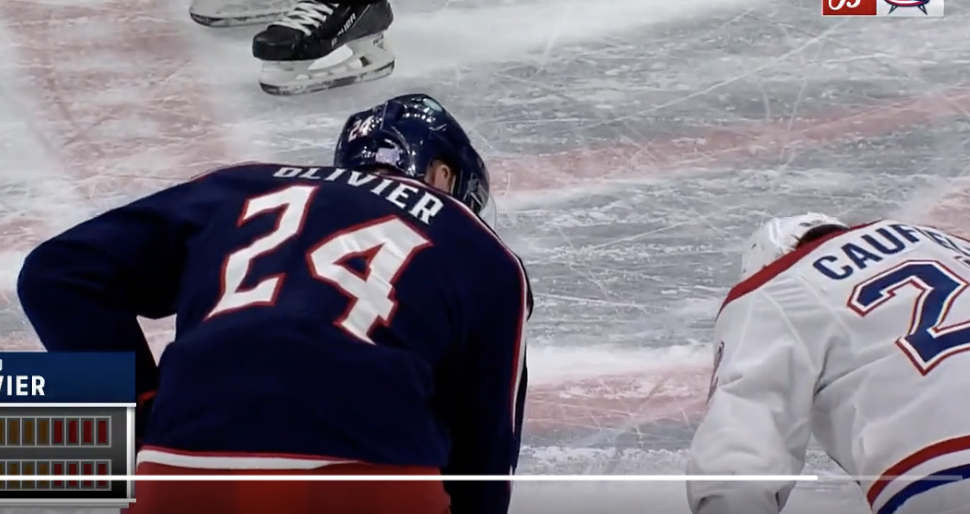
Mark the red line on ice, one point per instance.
(674, 394)
(118, 103)
(723, 146)
(116, 98)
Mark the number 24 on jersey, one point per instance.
(390, 241)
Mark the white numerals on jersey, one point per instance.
(389, 244)
(386, 245)
(293, 202)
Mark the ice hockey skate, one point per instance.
(231, 13)
(319, 46)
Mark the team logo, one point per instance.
(896, 4)
(391, 156)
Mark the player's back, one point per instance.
(322, 313)
(880, 309)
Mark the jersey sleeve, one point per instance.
(487, 413)
(84, 289)
(758, 415)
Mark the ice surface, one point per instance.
(634, 143)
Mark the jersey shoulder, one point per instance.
(246, 177)
(235, 169)
(195, 198)
(246, 180)
(486, 239)
(484, 253)
(261, 175)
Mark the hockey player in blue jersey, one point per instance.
(357, 319)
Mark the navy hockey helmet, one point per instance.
(407, 134)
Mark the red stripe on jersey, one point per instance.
(956, 444)
(144, 397)
(784, 263)
(518, 361)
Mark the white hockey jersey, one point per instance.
(859, 339)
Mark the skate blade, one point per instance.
(234, 13)
(235, 21)
(369, 60)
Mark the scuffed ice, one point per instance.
(634, 145)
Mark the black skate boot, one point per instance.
(311, 32)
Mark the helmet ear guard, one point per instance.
(469, 188)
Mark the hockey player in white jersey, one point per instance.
(856, 335)
(311, 45)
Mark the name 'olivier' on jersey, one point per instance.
(420, 204)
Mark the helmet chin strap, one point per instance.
(453, 184)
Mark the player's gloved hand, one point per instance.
(142, 413)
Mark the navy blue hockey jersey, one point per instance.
(322, 314)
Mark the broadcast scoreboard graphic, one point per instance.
(884, 8)
(64, 417)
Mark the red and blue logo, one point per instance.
(896, 4)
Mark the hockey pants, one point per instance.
(291, 497)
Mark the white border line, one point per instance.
(65, 405)
(130, 448)
(473, 478)
(60, 503)
(422, 478)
